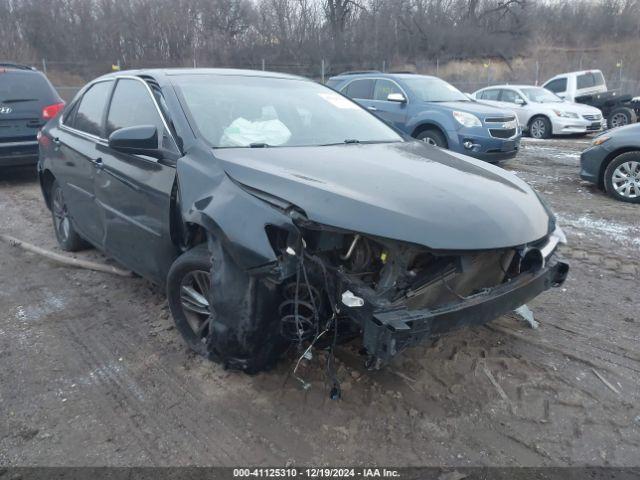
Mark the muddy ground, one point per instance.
(93, 372)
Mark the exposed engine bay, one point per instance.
(338, 285)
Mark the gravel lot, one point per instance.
(93, 372)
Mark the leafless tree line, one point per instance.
(343, 32)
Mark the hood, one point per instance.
(479, 109)
(407, 191)
(630, 132)
(578, 108)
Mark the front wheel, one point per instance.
(188, 290)
(622, 177)
(432, 137)
(540, 127)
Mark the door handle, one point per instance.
(56, 141)
(98, 163)
(373, 109)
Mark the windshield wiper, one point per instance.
(16, 100)
(259, 145)
(349, 141)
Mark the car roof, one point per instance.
(172, 72)
(16, 66)
(518, 86)
(374, 73)
(579, 72)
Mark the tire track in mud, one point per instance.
(206, 433)
(117, 392)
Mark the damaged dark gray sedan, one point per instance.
(276, 212)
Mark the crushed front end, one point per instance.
(395, 294)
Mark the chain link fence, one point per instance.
(469, 76)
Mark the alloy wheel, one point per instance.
(626, 179)
(61, 216)
(538, 129)
(194, 297)
(430, 141)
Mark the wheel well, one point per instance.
(46, 180)
(183, 235)
(609, 158)
(429, 126)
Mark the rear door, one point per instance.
(23, 95)
(79, 143)
(361, 90)
(134, 191)
(394, 113)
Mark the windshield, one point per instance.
(242, 111)
(431, 89)
(541, 95)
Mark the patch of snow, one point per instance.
(619, 232)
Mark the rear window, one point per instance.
(26, 86)
(590, 79)
(558, 85)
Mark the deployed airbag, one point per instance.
(243, 132)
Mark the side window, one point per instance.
(558, 85)
(509, 96)
(590, 79)
(132, 105)
(88, 117)
(383, 88)
(490, 95)
(362, 89)
(68, 117)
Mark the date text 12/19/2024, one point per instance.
(291, 472)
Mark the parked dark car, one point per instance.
(27, 101)
(276, 211)
(430, 109)
(613, 163)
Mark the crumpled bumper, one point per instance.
(386, 332)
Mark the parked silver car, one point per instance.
(540, 112)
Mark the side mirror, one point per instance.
(396, 97)
(139, 140)
(520, 101)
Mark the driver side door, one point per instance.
(134, 191)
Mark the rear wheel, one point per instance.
(432, 137)
(540, 127)
(622, 177)
(66, 234)
(620, 117)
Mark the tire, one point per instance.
(432, 137)
(540, 128)
(622, 178)
(207, 333)
(68, 239)
(620, 117)
(191, 272)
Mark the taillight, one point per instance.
(52, 110)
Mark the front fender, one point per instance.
(210, 199)
(432, 117)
